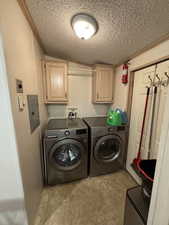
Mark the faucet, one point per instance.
(72, 114)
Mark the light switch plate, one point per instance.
(21, 102)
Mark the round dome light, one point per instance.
(84, 26)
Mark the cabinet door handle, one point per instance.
(97, 95)
(65, 94)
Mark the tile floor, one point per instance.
(92, 201)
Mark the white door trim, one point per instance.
(12, 204)
(159, 207)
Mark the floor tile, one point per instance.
(92, 201)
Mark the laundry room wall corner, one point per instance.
(23, 61)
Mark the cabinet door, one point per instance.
(104, 85)
(56, 82)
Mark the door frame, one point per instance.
(13, 207)
(159, 205)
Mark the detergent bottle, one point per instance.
(123, 116)
(114, 118)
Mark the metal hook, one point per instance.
(150, 79)
(165, 82)
(166, 74)
(158, 77)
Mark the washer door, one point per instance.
(66, 154)
(108, 148)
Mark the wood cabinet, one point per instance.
(103, 84)
(55, 82)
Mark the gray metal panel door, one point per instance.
(33, 108)
(131, 215)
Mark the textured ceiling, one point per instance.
(125, 27)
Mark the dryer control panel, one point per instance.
(81, 131)
(116, 128)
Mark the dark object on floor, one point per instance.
(148, 167)
(136, 211)
(146, 170)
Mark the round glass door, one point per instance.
(107, 148)
(66, 154)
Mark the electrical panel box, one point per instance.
(33, 107)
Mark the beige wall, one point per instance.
(23, 57)
(157, 53)
(121, 90)
(80, 94)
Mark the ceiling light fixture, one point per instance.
(84, 26)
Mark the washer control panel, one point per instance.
(66, 133)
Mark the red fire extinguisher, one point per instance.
(125, 74)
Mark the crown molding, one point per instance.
(26, 12)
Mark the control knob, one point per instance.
(67, 133)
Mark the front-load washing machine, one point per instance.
(65, 152)
(107, 146)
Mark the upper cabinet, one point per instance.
(55, 82)
(103, 84)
